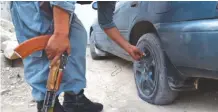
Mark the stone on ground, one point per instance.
(8, 49)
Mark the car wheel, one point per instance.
(151, 74)
(93, 48)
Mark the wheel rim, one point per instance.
(145, 73)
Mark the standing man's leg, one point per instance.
(29, 23)
(36, 66)
(74, 80)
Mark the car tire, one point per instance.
(151, 73)
(94, 55)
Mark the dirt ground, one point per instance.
(111, 82)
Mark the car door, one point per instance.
(102, 40)
(124, 14)
(120, 18)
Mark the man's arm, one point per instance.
(59, 41)
(105, 18)
(61, 21)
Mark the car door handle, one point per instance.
(134, 4)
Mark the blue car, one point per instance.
(180, 40)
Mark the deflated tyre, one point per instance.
(150, 72)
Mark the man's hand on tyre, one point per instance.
(134, 52)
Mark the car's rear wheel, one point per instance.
(151, 74)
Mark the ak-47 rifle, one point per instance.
(56, 71)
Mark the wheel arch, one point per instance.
(140, 28)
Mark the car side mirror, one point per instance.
(95, 5)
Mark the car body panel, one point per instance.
(194, 46)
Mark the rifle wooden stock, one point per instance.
(54, 77)
(32, 45)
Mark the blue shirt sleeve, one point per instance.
(68, 6)
(105, 14)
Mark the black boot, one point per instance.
(57, 107)
(79, 103)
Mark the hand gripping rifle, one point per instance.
(56, 71)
